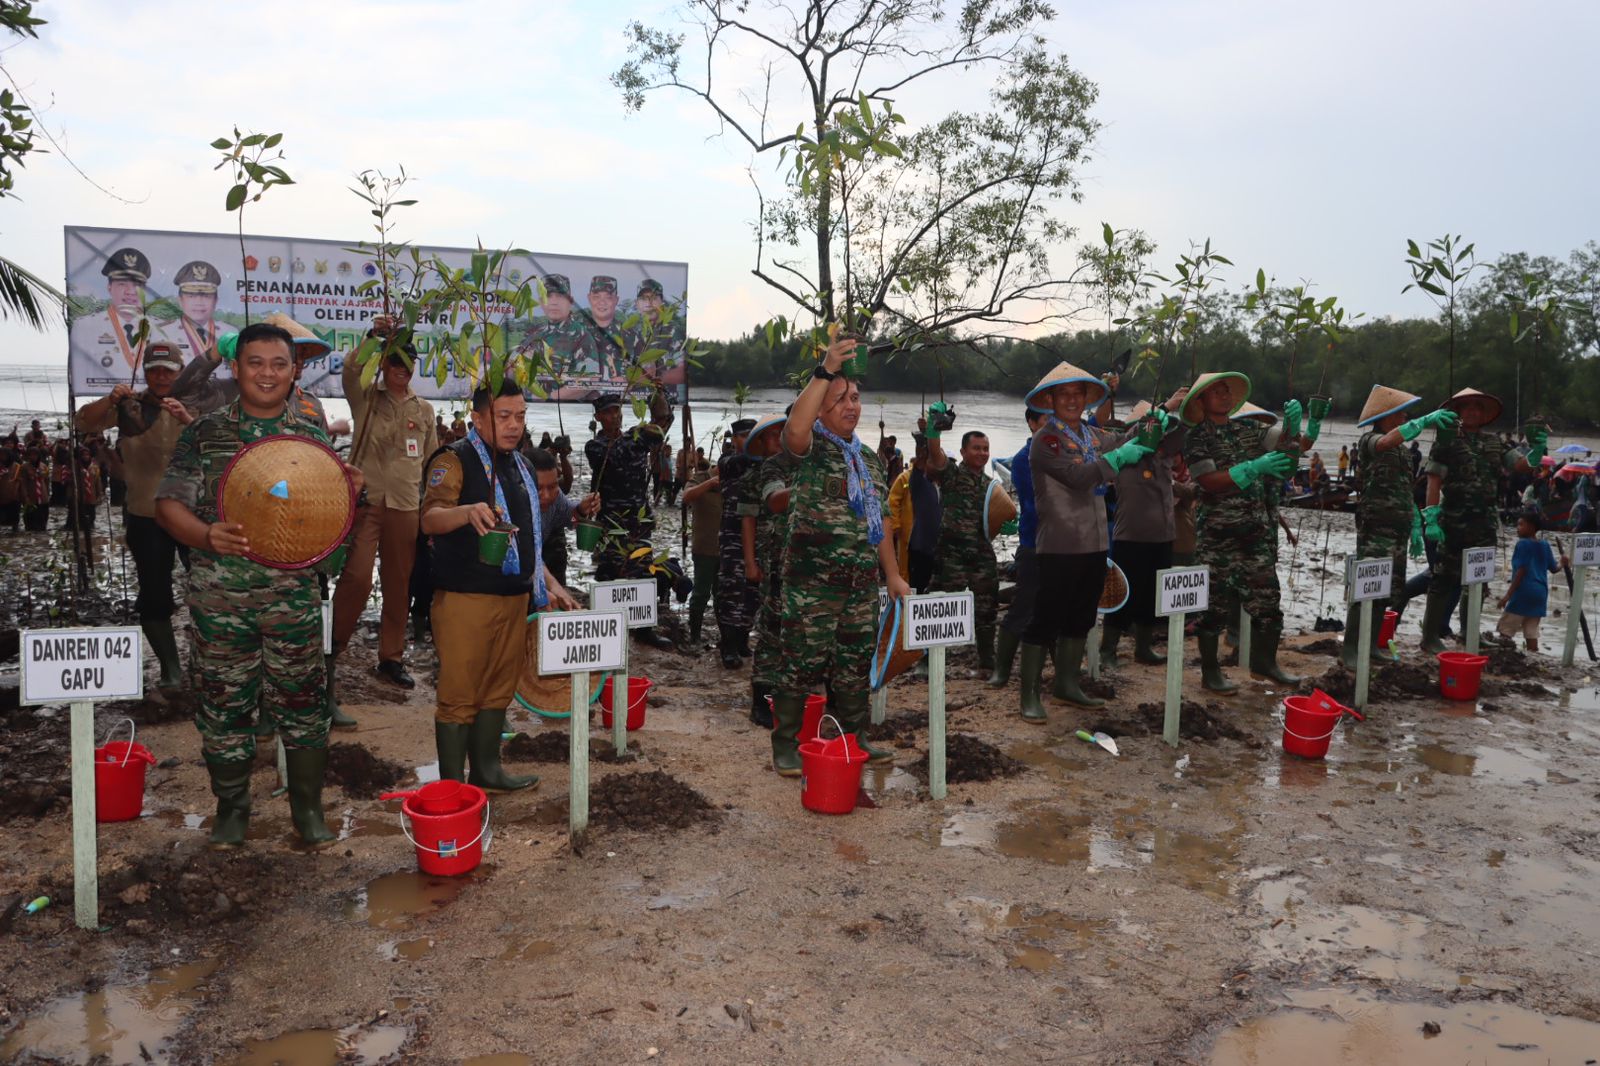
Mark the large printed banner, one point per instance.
(598, 315)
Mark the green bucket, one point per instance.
(856, 366)
(588, 536)
(493, 545)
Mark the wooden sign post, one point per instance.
(637, 602)
(576, 642)
(1365, 580)
(1477, 570)
(935, 622)
(1180, 591)
(1585, 553)
(80, 667)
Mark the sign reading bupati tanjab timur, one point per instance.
(635, 599)
(938, 619)
(191, 288)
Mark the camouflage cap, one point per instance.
(557, 285)
(127, 264)
(606, 400)
(650, 285)
(603, 283)
(197, 277)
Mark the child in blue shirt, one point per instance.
(1525, 600)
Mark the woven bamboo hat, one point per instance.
(1190, 412)
(549, 696)
(1114, 593)
(307, 345)
(891, 657)
(998, 509)
(1065, 374)
(1454, 403)
(293, 498)
(1250, 410)
(1383, 402)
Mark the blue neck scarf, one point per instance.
(513, 562)
(1085, 442)
(858, 482)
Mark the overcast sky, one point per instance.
(1308, 139)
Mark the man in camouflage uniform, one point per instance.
(763, 533)
(1464, 468)
(736, 596)
(964, 558)
(199, 390)
(571, 350)
(1232, 461)
(258, 629)
(605, 332)
(835, 547)
(619, 465)
(654, 330)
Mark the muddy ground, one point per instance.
(1214, 903)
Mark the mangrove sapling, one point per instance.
(253, 170)
(1448, 261)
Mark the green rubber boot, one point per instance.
(1069, 661)
(483, 745)
(855, 714)
(306, 767)
(165, 644)
(1005, 650)
(1264, 658)
(1351, 646)
(1110, 637)
(787, 711)
(1031, 670)
(986, 649)
(1433, 622)
(451, 740)
(335, 712)
(1211, 675)
(230, 783)
(1144, 648)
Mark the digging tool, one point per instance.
(1098, 738)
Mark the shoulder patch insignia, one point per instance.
(1053, 443)
(436, 477)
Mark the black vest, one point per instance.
(455, 555)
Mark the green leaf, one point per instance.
(1513, 326)
(273, 141)
(252, 140)
(1261, 280)
(236, 197)
(1429, 286)
(1107, 234)
(221, 143)
(1412, 250)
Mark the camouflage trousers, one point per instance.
(828, 625)
(259, 659)
(968, 567)
(1244, 573)
(737, 598)
(764, 663)
(1395, 544)
(1457, 539)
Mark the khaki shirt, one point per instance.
(394, 446)
(146, 448)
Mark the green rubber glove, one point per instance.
(1430, 523)
(1126, 455)
(1313, 428)
(1539, 437)
(1418, 548)
(1445, 432)
(1010, 527)
(228, 346)
(938, 412)
(1291, 420)
(1272, 464)
(1432, 420)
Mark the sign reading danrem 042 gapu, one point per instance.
(596, 317)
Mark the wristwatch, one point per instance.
(822, 373)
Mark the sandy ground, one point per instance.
(1087, 909)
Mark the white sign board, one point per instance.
(1586, 549)
(939, 619)
(81, 665)
(635, 599)
(573, 642)
(1183, 590)
(1368, 579)
(1477, 566)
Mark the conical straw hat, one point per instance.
(307, 345)
(293, 498)
(1190, 412)
(998, 509)
(891, 657)
(1454, 402)
(549, 696)
(1065, 374)
(1383, 402)
(1250, 410)
(761, 427)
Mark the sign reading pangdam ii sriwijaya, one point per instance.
(598, 315)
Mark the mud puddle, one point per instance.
(406, 950)
(1037, 939)
(354, 1045)
(1335, 1028)
(1387, 945)
(531, 949)
(395, 901)
(123, 1024)
(1513, 766)
(350, 826)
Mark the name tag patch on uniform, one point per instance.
(436, 477)
(413, 448)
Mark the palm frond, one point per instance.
(25, 295)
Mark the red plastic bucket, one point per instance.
(816, 707)
(638, 689)
(441, 797)
(119, 767)
(830, 773)
(1460, 674)
(448, 844)
(1308, 725)
(1391, 619)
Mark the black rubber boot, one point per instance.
(1350, 647)
(1005, 651)
(230, 783)
(1211, 675)
(1433, 621)
(728, 645)
(336, 714)
(787, 711)
(1031, 673)
(1264, 658)
(1109, 639)
(986, 649)
(165, 644)
(1144, 650)
(451, 740)
(483, 746)
(306, 767)
(1069, 660)
(855, 715)
(760, 709)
